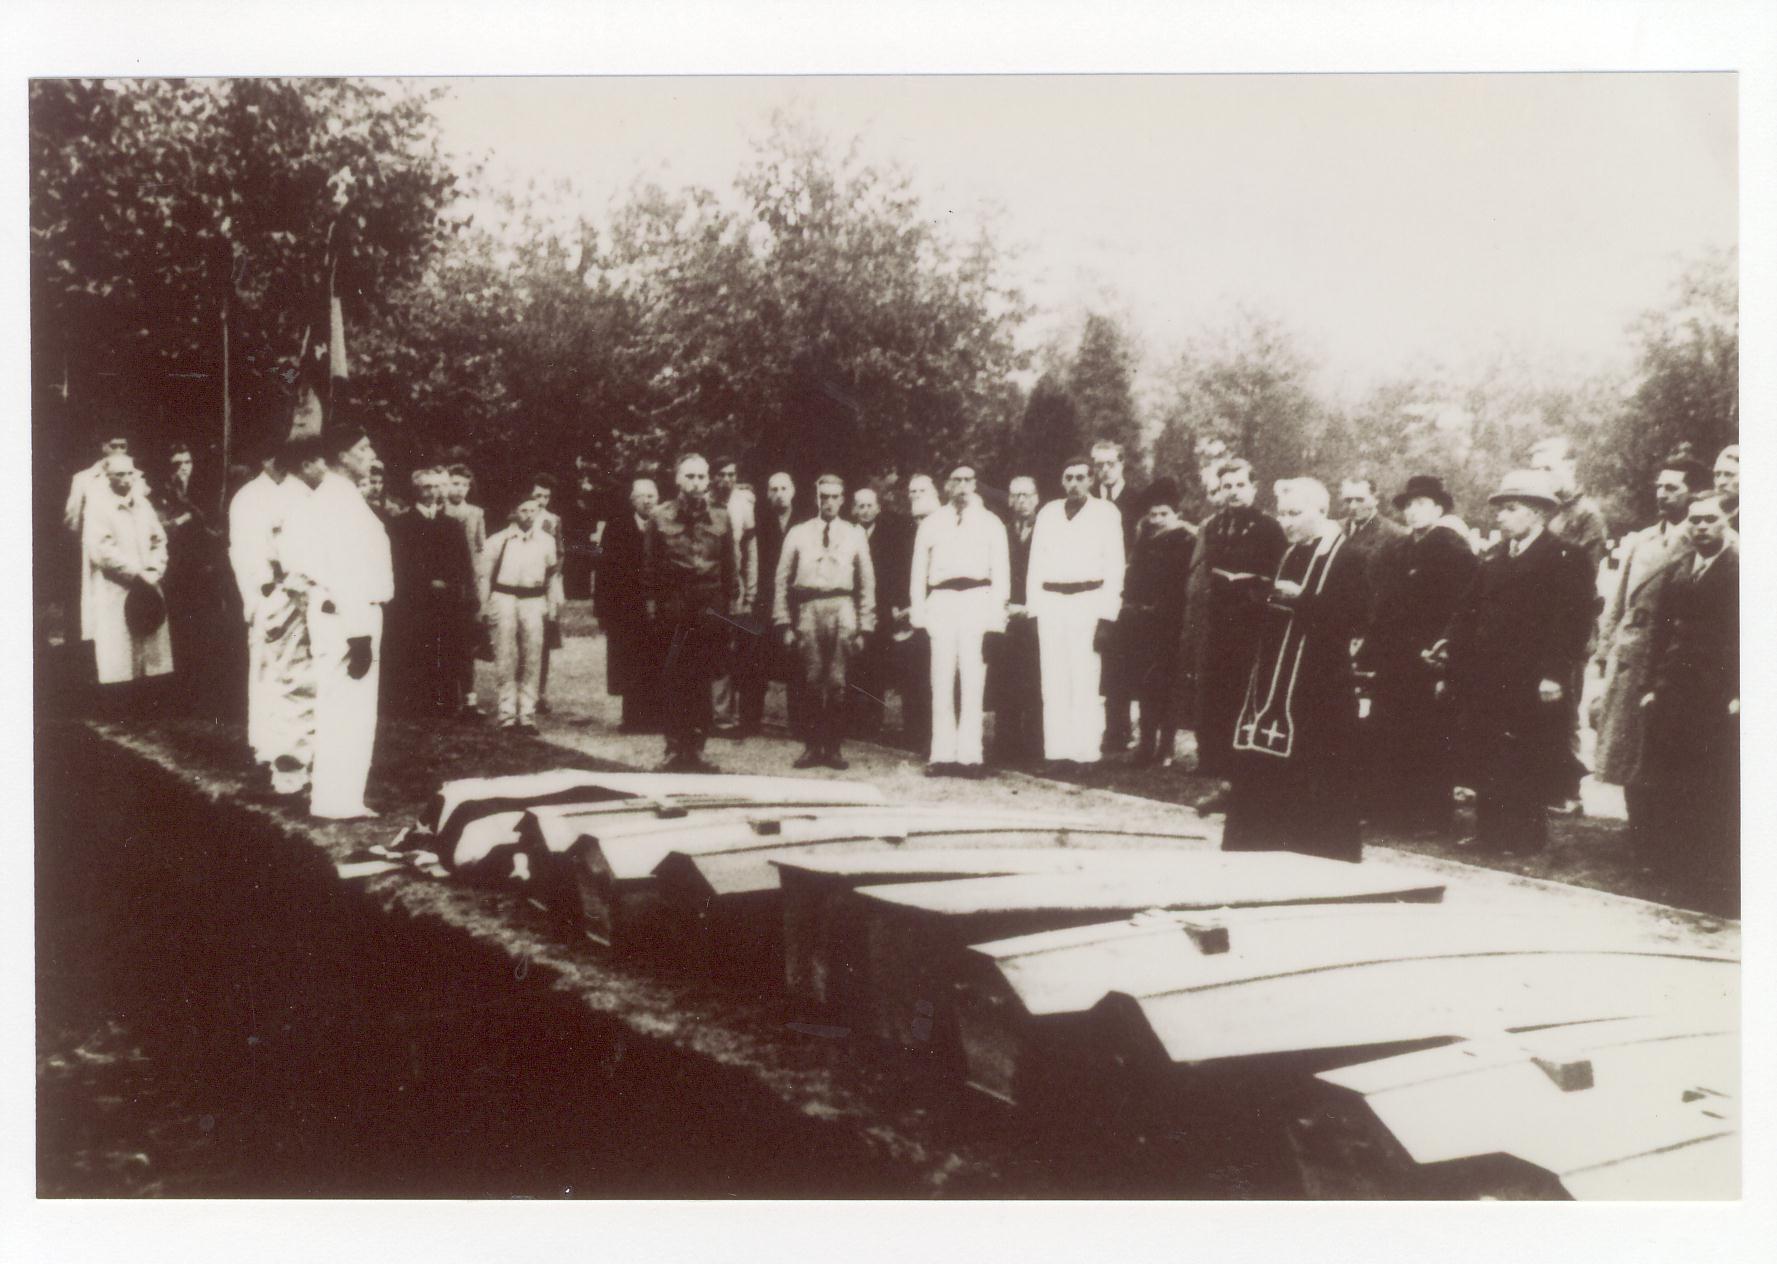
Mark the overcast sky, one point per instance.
(1391, 220)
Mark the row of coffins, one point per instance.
(1075, 968)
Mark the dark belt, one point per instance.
(816, 594)
(955, 585)
(1074, 586)
(512, 590)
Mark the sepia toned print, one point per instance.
(1110, 637)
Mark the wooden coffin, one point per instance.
(1346, 1003)
(620, 899)
(1023, 1004)
(824, 941)
(485, 835)
(916, 934)
(1622, 1109)
(466, 799)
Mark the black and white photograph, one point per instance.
(1091, 637)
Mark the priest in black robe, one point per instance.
(1240, 547)
(435, 596)
(1294, 762)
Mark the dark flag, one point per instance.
(322, 360)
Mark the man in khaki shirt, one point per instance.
(825, 605)
(520, 589)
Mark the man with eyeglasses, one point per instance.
(1626, 630)
(961, 583)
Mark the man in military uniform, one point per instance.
(520, 594)
(691, 573)
(1511, 649)
(824, 604)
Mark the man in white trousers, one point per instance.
(277, 641)
(1075, 590)
(338, 555)
(521, 589)
(960, 585)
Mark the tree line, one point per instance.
(815, 315)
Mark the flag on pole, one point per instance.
(322, 360)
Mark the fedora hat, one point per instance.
(1428, 485)
(1529, 486)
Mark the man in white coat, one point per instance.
(280, 684)
(961, 581)
(1075, 590)
(338, 554)
(125, 552)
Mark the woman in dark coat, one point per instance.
(1154, 617)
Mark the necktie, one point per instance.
(827, 536)
(959, 515)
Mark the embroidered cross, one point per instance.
(1272, 733)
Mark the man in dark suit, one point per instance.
(434, 594)
(1416, 580)
(870, 672)
(762, 660)
(1689, 772)
(1511, 647)
(1014, 679)
(1367, 530)
(632, 650)
(1117, 670)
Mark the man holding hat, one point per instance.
(1154, 616)
(1416, 580)
(1512, 646)
(1074, 588)
(122, 611)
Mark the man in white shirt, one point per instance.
(520, 590)
(961, 582)
(280, 677)
(1075, 589)
(825, 606)
(338, 556)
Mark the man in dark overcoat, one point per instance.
(1511, 646)
(434, 590)
(1416, 580)
(1014, 671)
(1240, 547)
(1689, 774)
(1154, 616)
(1294, 767)
(632, 650)
(761, 659)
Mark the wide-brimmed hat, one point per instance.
(1429, 486)
(144, 609)
(1162, 491)
(1530, 486)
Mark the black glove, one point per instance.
(358, 657)
(1101, 635)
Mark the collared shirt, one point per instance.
(337, 548)
(1086, 548)
(1111, 491)
(741, 521)
(1702, 564)
(521, 559)
(826, 556)
(687, 547)
(1516, 547)
(970, 546)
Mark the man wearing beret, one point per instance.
(1512, 648)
